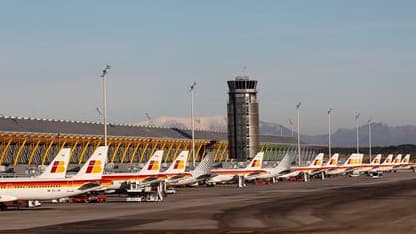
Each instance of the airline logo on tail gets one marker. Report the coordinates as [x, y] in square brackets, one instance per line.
[94, 167]
[333, 162]
[153, 165]
[406, 159]
[58, 167]
[179, 164]
[255, 163]
[317, 162]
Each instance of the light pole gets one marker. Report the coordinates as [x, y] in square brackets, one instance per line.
[281, 130]
[298, 110]
[329, 131]
[192, 88]
[357, 116]
[369, 138]
[103, 76]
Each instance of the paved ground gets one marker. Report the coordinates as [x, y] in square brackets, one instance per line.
[336, 205]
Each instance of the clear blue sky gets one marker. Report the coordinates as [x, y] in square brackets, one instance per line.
[351, 55]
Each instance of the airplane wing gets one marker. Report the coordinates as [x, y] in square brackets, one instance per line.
[7, 198]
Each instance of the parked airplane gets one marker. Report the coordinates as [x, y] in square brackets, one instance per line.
[406, 164]
[226, 175]
[387, 165]
[368, 167]
[353, 162]
[313, 168]
[148, 174]
[57, 168]
[198, 175]
[87, 179]
[273, 173]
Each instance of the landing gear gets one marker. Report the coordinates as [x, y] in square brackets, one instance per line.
[305, 177]
[241, 182]
[3, 206]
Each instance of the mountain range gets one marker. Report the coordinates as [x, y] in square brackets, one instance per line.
[382, 134]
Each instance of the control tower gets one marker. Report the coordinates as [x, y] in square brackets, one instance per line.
[243, 118]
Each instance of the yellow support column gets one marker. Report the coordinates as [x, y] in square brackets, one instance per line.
[167, 154]
[16, 158]
[216, 152]
[132, 156]
[33, 153]
[154, 149]
[176, 152]
[197, 151]
[74, 146]
[62, 146]
[223, 152]
[115, 152]
[81, 156]
[6, 148]
[46, 152]
[126, 149]
[144, 150]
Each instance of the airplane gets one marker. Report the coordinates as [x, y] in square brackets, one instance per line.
[386, 165]
[87, 179]
[196, 176]
[353, 162]
[176, 168]
[227, 175]
[313, 168]
[406, 164]
[368, 167]
[273, 173]
[57, 168]
[147, 175]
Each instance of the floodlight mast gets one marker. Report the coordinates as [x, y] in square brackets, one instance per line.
[104, 80]
[298, 110]
[329, 131]
[191, 90]
[357, 116]
[369, 139]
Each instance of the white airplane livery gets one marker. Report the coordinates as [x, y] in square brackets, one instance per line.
[87, 179]
[57, 168]
[225, 175]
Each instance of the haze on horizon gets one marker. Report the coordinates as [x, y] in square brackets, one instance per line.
[350, 55]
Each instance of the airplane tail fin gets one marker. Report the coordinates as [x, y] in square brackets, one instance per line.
[376, 160]
[94, 167]
[317, 162]
[406, 159]
[57, 168]
[204, 166]
[152, 166]
[333, 161]
[389, 159]
[354, 159]
[179, 164]
[284, 165]
[397, 159]
[257, 162]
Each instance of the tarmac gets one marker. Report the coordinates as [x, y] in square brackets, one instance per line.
[335, 205]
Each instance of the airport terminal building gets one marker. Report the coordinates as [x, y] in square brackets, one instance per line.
[31, 142]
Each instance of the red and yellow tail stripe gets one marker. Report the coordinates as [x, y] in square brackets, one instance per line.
[153, 166]
[94, 167]
[58, 167]
[179, 164]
